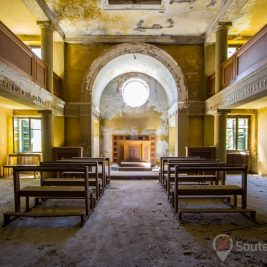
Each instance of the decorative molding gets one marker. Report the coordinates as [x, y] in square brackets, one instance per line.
[142, 48]
[156, 39]
[249, 88]
[19, 88]
[162, 6]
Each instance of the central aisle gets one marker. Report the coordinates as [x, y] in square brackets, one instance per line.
[132, 225]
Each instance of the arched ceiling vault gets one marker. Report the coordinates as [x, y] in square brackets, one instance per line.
[135, 62]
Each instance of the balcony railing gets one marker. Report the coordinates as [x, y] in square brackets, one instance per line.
[14, 53]
[248, 58]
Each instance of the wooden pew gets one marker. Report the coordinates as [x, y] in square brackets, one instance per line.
[21, 159]
[164, 161]
[212, 190]
[50, 192]
[168, 178]
[104, 163]
[71, 178]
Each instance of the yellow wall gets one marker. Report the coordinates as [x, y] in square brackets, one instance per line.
[6, 134]
[172, 137]
[59, 131]
[78, 59]
[195, 131]
[96, 134]
[208, 130]
[262, 141]
[190, 59]
[58, 58]
[72, 131]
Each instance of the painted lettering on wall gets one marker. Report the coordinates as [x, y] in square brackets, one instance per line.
[10, 86]
[242, 94]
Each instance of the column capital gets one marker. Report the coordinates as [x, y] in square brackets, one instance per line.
[222, 112]
[46, 25]
[223, 25]
[45, 112]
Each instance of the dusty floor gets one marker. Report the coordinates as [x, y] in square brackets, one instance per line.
[132, 225]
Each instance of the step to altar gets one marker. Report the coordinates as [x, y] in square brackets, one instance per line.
[132, 166]
[135, 164]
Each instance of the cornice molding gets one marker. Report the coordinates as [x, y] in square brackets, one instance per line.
[249, 88]
[21, 89]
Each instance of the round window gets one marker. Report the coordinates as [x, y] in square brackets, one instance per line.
[135, 92]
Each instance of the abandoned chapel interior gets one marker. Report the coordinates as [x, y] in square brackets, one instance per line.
[133, 133]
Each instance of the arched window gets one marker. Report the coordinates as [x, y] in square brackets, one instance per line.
[135, 92]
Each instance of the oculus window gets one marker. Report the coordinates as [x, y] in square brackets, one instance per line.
[237, 133]
[135, 92]
[27, 135]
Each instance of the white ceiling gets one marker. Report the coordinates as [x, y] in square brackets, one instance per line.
[87, 18]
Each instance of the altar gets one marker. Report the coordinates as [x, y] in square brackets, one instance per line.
[139, 148]
[134, 151]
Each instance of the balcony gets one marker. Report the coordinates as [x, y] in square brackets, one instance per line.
[15, 54]
[247, 59]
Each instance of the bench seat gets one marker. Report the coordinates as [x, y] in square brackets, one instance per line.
[208, 190]
[53, 191]
[69, 181]
[251, 212]
[12, 215]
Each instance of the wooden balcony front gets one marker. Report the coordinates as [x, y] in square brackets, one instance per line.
[17, 55]
[250, 57]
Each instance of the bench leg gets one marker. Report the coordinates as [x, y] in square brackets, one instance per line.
[235, 201]
[27, 204]
[6, 220]
[253, 215]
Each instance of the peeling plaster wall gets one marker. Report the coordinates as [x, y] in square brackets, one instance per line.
[191, 60]
[172, 134]
[78, 59]
[118, 118]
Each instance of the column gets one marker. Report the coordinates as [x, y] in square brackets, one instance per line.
[47, 50]
[182, 134]
[220, 135]
[47, 134]
[220, 52]
[220, 117]
[86, 129]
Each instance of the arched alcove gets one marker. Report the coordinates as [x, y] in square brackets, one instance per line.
[131, 58]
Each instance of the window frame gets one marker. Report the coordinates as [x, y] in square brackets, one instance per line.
[237, 117]
[30, 134]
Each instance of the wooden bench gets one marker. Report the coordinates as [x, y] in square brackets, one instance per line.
[21, 159]
[164, 165]
[74, 178]
[104, 163]
[196, 177]
[101, 163]
[212, 190]
[50, 192]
